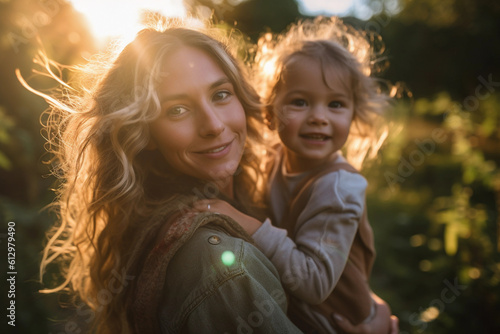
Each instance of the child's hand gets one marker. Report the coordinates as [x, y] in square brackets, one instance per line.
[249, 224]
[394, 325]
[382, 323]
[345, 326]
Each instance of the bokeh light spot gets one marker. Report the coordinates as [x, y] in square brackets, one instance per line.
[417, 240]
[474, 273]
[435, 244]
[425, 265]
[429, 314]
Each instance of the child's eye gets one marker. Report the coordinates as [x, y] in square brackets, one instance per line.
[221, 95]
[176, 111]
[299, 102]
[335, 104]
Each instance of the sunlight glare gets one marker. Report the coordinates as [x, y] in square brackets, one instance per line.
[112, 19]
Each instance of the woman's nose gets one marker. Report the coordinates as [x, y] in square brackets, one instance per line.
[317, 116]
[210, 123]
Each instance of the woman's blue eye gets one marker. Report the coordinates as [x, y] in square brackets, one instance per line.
[221, 95]
[176, 111]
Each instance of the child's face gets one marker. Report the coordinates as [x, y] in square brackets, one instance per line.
[313, 118]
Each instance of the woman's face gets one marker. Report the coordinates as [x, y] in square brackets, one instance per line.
[201, 130]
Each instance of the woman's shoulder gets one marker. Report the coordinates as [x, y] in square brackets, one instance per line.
[209, 262]
[206, 247]
[212, 256]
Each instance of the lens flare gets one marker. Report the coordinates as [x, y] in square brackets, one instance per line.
[228, 258]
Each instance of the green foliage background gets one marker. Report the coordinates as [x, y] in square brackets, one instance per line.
[434, 190]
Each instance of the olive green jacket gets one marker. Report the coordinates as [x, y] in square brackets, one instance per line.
[217, 282]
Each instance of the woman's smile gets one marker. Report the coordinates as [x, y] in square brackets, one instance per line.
[217, 151]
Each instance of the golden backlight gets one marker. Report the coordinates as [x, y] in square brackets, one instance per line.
[110, 19]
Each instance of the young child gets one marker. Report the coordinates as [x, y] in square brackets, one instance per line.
[320, 97]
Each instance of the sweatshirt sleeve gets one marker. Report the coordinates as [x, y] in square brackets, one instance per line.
[311, 265]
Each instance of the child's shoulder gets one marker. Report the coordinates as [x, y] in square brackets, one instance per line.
[340, 180]
[340, 173]
[340, 184]
[338, 191]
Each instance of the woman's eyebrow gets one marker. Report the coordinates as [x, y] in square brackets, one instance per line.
[167, 98]
[220, 82]
[213, 85]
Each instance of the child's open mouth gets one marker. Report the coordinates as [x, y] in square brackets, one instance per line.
[315, 136]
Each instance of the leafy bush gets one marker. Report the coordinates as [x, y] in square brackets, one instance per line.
[433, 201]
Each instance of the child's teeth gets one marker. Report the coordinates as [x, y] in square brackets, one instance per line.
[316, 136]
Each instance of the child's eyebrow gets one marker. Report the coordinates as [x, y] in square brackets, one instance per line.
[297, 91]
[341, 95]
[333, 94]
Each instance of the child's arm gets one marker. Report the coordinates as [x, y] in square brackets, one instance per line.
[310, 265]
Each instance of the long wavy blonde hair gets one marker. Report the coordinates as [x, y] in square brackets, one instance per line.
[335, 45]
[97, 129]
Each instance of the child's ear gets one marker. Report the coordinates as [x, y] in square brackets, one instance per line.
[270, 120]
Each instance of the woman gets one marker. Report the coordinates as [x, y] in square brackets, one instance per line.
[170, 121]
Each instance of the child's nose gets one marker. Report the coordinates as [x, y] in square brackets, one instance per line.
[317, 116]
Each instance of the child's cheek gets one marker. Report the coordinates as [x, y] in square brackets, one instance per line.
[282, 120]
[288, 130]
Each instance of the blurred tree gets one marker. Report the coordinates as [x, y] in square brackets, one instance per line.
[252, 17]
[443, 211]
[437, 45]
[25, 27]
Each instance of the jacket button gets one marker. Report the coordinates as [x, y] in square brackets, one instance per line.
[214, 240]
